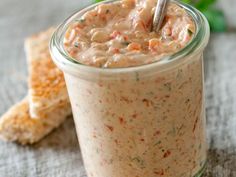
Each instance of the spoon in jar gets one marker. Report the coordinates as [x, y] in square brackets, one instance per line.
[159, 14]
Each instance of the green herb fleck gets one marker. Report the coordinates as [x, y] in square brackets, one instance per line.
[202, 163]
[150, 93]
[172, 131]
[190, 32]
[179, 129]
[138, 161]
[168, 86]
[180, 73]
[76, 44]
[81, 20]
[157, 143]
[137, 76]
[187, 101]
[125, 43]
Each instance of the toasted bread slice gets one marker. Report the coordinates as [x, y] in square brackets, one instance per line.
[47, 88]
[17, 124]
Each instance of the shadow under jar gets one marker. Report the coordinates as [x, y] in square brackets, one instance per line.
[143, 121]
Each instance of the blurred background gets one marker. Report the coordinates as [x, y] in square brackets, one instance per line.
[57, 155]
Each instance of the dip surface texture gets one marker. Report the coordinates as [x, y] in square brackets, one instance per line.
[118, 34]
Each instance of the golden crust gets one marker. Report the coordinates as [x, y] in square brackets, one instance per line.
[46, 82]
[17, 124]
[47, 105]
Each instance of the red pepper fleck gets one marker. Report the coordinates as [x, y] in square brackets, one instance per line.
[79, 26]
[147, 102]
[125, 99]
[141, 139]
[116, 141]
[149, 22]
[161, 172]
[115, 34]
[126, 38]
[121, 119]
[110, 127]
[103, 17]
[195, 152]
[167, 17]
[115, 50]
[134, 115]
[143, 25]
[159, 79]
[94, 134]
[157, 133]
[123, 80]
[182, 153]
[166, 154]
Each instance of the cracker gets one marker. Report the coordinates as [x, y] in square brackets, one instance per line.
[46, 82]
[17, 124]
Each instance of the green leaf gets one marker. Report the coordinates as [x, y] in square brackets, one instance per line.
[96, 1]
[215, 17]
[216, 20]
[187, 1]
[204, 4]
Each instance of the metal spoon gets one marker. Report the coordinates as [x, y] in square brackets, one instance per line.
[159, 14]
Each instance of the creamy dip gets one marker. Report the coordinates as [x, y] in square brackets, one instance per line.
[119, 34]
[141, 125]
[147, 123]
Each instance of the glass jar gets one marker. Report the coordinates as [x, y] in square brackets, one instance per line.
[143, 121]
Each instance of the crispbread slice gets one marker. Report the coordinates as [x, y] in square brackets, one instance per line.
[47, 86]
[17, 124]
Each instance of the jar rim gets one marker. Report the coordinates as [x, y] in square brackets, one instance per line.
[62, 59]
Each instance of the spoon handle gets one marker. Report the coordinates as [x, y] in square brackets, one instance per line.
[159, 14]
